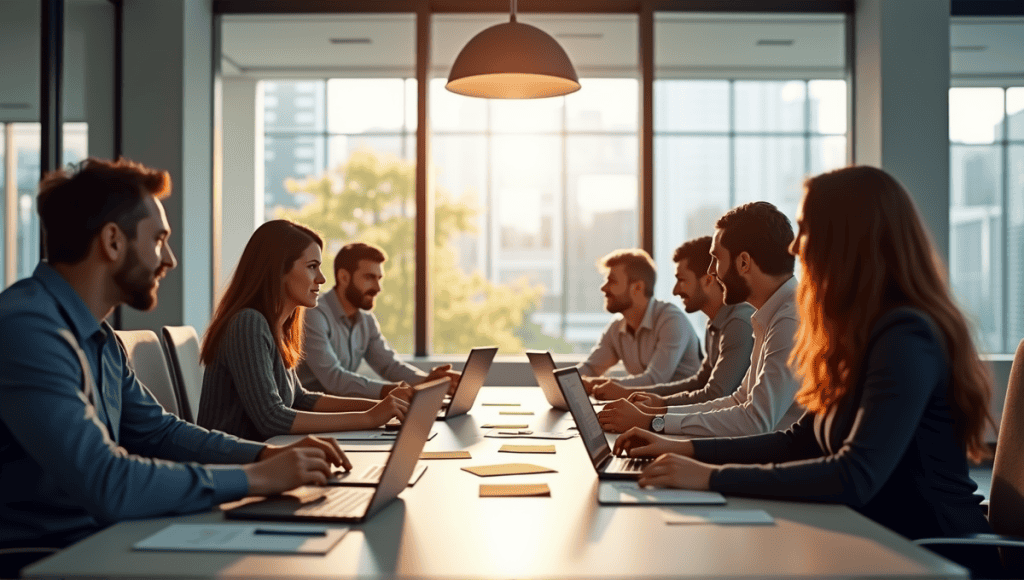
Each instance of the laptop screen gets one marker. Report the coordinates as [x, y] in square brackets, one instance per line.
[583, 413]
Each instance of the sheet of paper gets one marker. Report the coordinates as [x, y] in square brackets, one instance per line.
[527, 448]
[530, 434]
[445, 455]
[515, 412]
[515, 490]
[262, 537]
[500, 404]
[371, 435]
[507, 469]
[629, 492]
[505, 426]
[717, 516]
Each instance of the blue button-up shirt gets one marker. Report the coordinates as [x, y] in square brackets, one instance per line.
[82, 443]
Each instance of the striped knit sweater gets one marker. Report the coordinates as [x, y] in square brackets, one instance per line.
[247, 391]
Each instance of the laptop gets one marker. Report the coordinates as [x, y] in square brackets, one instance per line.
[544, 371]
[607, 465]
[357, 504]
[473, 376]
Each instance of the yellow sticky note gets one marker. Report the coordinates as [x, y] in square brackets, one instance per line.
[527, 448]
[445, 455]
[507, 469]
[515, 490]
[515, 412]
[496, 426]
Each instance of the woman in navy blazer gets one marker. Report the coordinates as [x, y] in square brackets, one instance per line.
[896, 396]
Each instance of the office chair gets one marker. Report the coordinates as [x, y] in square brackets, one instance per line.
[146, 355]
[1006, 500]
[182, 347]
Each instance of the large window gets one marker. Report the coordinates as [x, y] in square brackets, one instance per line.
[986, 229]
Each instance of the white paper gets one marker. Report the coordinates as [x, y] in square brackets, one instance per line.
[717, 516]
[529, 434]
[242, 538]
[630, 492]
[378, 435]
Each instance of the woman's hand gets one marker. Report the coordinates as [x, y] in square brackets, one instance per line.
[671, 470]
[389, 407]
[640, 443]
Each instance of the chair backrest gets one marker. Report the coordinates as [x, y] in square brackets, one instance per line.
[182, 346]
[1006, 500]
[146, 355]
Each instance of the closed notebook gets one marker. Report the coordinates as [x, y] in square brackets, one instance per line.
[630, 493]
[223, 537]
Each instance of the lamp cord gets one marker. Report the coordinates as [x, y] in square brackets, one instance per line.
[513, 2]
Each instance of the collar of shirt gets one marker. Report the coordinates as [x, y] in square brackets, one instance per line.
[723, 314]
[786, 294]
[83, 324]
[647, 321]
[334, 305]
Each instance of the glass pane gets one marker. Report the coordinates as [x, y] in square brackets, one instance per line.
[26, 137]
[975, 115]
[1015, 112]
[691, 191]
[1015, 246]
[770, 169]
[602, 216]
[528, 115]
[691, 105]
[286, 159]
[3, 207]
[605, 105]
[827, 153]
[770, 105]
[453, 112]
[341, 147]
[293, 106]
[828, 106]
[76, 142]
[366, 105]
[975, 235]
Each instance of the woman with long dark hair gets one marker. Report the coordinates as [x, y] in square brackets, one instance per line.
[254, 342]
[896, 396]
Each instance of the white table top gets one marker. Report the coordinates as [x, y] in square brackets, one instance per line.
[440, 528]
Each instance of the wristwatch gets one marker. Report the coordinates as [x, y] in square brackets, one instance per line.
[658, 423]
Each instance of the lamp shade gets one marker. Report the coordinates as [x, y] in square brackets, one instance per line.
[513, 61]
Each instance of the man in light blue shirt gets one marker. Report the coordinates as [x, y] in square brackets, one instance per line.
[83, 444]
[342, 331]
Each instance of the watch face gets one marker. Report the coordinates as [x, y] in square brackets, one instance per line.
[658, 424]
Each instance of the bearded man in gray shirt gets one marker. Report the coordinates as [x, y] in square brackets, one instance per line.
[342, 331]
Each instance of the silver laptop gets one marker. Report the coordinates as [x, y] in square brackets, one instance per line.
[473, 376]
[356, 504]
[607, 465]
[544, 371]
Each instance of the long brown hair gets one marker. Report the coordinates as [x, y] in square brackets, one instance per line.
[866, 251]
[256, 283]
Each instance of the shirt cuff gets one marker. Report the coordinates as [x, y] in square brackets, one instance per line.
[229, 483]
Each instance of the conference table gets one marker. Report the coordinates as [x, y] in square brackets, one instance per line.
[441, 528]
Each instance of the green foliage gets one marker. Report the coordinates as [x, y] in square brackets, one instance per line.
[371, 198]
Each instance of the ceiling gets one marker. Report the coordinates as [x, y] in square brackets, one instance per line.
[691, 44]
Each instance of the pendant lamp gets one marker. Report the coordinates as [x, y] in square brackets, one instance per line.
[513, 61]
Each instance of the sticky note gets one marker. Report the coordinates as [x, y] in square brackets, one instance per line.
[515, 490]
[507, 469]
[445, 455]
[527, 448]
[515, 412]
[510, 426]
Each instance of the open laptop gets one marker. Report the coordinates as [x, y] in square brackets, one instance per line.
[473, 376]
[356, 504]
[606, 465]
[544, 371]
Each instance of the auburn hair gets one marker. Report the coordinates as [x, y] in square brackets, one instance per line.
[864, 251]
[257, 283]
[639, 266]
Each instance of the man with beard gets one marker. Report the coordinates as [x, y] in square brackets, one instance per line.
[728, 337]
[652, 338]
[82, 443]
[750, 259]
[342, 331]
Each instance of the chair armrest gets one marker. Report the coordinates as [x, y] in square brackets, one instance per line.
[996, 540]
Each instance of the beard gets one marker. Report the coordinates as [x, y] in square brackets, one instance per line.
[618, 304]
[696, 301]
[734, 287]
[137, 284]
[362, 300]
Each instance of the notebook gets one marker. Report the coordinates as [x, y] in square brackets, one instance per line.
[544, 371]
[356, 504]
[607, 465]
[473, 376]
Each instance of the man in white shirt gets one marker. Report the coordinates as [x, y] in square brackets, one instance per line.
[653, 339]
[751, 260]
[342, 331]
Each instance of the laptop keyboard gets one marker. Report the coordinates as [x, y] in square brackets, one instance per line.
[339, 502]
[628, 464]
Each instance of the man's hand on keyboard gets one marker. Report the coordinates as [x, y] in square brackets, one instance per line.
[304, 462]
[641, 443]
[620, 415]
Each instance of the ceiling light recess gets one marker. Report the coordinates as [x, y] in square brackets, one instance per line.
[513, 61]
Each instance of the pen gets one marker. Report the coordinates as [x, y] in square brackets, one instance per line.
[526, 432]
[283, 532]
